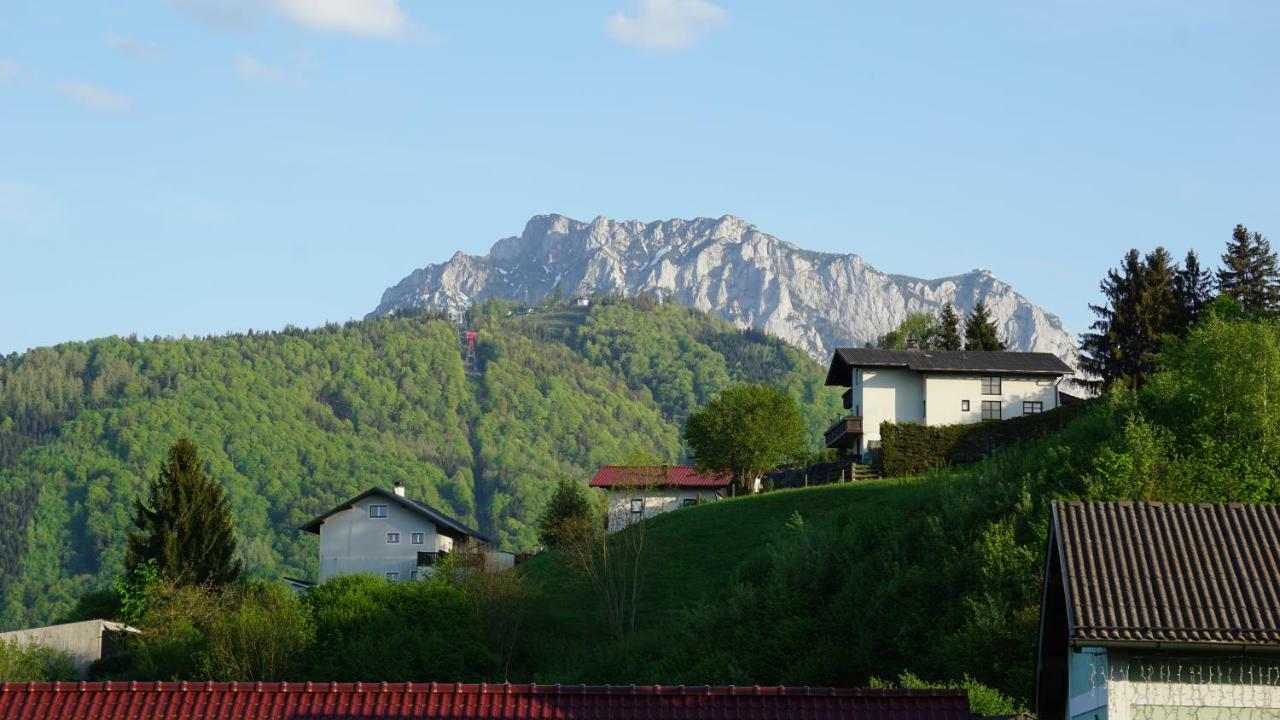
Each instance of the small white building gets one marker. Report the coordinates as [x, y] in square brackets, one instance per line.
[385, 533]
[639, 492]
[937, 388]
[84, 642]
[1160, 611]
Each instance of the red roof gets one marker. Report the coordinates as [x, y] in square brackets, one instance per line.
[321, 701]
[682, 476]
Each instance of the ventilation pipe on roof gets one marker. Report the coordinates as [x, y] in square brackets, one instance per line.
[399, 488]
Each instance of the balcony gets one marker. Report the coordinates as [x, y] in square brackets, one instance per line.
[845, 432]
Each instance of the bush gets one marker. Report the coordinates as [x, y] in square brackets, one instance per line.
[912, 448]
[262, 636]
[34, 663]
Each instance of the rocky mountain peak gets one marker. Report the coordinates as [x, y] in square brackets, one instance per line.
[816, 301]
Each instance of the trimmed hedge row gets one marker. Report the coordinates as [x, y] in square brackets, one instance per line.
[911, 448]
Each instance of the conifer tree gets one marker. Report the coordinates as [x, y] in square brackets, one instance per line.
[949, 329]
[186, 526]
[1192, 287]
[1249, 273]
[1141, 309]
[980, 331]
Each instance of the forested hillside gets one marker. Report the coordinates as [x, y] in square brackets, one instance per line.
[294, 421]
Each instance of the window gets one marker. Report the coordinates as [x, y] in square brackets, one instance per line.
[637, 505]
[1031, 408]
[393, 576]
[990, 409]
[377, 511]
[991, 385]
[413, 574]
[688, 502]
[964, 406]
[393, 537]
[418, 538]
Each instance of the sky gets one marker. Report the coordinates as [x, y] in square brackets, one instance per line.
[206, 166]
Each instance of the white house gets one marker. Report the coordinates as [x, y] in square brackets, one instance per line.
[385, 533]
[639, 492]
[1155, 611]
[936, 388]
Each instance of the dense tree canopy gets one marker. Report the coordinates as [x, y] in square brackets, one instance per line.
[980, 332]
[292, 422]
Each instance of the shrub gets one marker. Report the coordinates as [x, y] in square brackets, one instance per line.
[912, 448]
[34, 663]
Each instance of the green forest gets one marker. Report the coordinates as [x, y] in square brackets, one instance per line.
[293, 422]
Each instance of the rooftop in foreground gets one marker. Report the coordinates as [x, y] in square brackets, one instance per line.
[319, 701]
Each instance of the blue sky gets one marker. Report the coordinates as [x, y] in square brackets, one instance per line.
[203, 166]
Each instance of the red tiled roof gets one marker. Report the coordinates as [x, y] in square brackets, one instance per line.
[323, 701]
[682, 476]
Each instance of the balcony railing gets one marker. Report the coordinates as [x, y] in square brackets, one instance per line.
[844, 433]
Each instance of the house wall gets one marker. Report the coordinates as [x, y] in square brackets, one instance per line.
[1181, 687]
[945, 393]
[656, 502]
[886, 395]
[352, 542]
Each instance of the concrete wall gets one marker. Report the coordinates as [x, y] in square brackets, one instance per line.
[85, 641]
[945, 395]
[352, 542]
[656, 502]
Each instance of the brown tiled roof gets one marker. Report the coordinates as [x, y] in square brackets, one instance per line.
[432, 701]
[1183, 573]
[972, 361]
[677, 476]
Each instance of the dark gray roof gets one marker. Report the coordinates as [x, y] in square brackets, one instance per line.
[1031, 363]
[446, 524]
[1156, 572]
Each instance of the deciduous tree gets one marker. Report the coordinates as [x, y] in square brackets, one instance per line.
[746, 430]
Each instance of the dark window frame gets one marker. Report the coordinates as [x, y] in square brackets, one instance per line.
[992, 385]
[688, 502]
[373, 512]
[988, 406]
[964, 406]
[1032, 407]
[392, 576]
[393, 538]
[637, 510]
[418, 538]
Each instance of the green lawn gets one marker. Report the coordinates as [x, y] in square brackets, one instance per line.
[692, 557]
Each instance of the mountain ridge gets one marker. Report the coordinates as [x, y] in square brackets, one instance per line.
[726, 266]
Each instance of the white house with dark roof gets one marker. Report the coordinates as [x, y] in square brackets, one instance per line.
[639, 492]
[937, 388]
[385, 533]
[1160, 611]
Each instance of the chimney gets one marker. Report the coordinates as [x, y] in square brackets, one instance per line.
[399, 488]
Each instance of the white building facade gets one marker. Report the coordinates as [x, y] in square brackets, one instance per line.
[638, 493]
[937, 388]
[384, 533]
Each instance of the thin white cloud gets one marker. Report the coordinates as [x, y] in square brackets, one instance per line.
[8, 70]
[665, 24]
[250, 68]
[221, 14]
[95, 97]
[134, 49]
[369, 18]
[374, 18]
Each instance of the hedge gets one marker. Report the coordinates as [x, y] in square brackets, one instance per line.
[911, 448]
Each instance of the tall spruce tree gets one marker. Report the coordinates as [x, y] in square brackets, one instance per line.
[1192, 287]
[1249, 273]
[980, 330]
[948, 329]
[1142, 308]
[186, 526]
